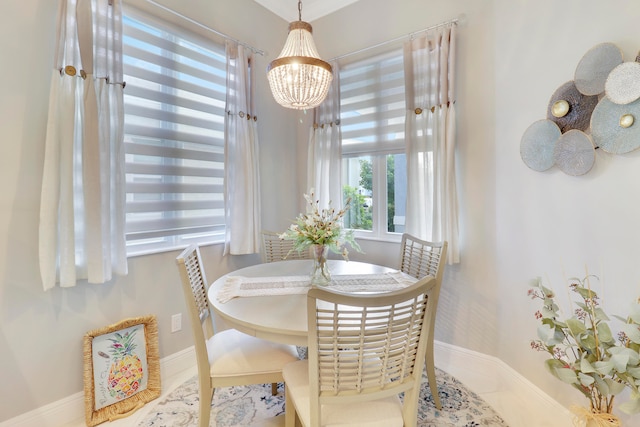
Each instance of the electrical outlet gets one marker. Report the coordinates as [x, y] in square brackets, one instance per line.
[176, 322]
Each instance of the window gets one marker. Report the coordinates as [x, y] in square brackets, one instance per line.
[174, 103]
[373, 160]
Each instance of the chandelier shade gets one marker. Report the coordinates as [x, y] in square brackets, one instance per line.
[298, 78]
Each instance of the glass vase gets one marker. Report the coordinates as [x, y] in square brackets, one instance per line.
[320, 275]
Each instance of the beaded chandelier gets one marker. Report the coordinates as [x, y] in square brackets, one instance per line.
[298, 78]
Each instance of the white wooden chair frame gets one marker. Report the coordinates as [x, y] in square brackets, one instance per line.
[226, 358]
[363, 348]
[420, 258]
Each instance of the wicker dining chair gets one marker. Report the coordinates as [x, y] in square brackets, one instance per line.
[229, 357]
[364, 350]
[276, 249]
[420, 258]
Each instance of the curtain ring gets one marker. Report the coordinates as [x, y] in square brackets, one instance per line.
[315, 126]
[255, 118]
[433, 109]
[241, 114]
[418, 111]
[249, 117]
[70, 70]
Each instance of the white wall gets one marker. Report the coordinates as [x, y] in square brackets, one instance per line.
[515, 223]
[551, 224]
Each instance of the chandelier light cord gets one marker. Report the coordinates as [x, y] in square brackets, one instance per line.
[299, 10]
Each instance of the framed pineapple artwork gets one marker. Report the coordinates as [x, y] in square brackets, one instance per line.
[121, 369]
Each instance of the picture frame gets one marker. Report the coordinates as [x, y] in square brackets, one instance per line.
[121, 369]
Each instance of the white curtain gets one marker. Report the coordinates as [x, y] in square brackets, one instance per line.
[82, 214]
[432, 206]
[324, 162]
[242, 191]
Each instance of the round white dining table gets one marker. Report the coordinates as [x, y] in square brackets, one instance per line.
[278, 318]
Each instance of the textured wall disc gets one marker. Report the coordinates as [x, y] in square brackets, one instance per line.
[537, 144]
[623, 83]
[616, 127]
[594, 67]
[580, 108]
[574, 153]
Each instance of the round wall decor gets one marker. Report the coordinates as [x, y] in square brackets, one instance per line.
[570, 109]
[574, 153]
[537, 144]
[623, 84]
[600, 108]
[615, 127]
[594, 67]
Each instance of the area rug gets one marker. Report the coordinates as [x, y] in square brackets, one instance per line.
[245, 406]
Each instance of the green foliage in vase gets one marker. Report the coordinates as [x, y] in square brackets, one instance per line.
[584, 351]
[321, 227]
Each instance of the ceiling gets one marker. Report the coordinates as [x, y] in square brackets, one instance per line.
[311, 9]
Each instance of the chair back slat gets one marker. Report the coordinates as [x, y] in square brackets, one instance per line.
[421, 258]
[197, 281]
[276, 249]
[194, 286]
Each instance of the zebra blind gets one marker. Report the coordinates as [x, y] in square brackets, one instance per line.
[372, 105]
[174, 103]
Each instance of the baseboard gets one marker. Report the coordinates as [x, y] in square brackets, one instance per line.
[448, 357]
[71, 409]
[496, 376]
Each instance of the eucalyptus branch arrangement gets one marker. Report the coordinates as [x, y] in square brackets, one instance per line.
[584, 351]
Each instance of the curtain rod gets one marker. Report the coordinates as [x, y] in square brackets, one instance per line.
[433, 27]
[192, 21]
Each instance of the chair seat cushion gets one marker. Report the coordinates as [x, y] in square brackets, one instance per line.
[232, 352]
[378, 413]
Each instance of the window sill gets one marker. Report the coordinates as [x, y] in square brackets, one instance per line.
[156, 251]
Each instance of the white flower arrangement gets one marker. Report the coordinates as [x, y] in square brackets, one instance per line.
[321, 227]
